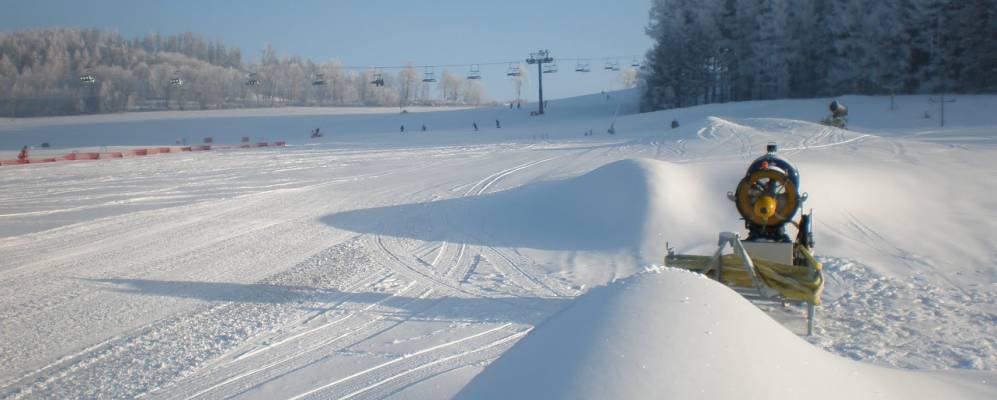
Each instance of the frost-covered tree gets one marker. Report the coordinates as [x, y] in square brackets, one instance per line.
[449, 86]
[721, 50]
[769, 50]
[40, 72]
[408, 85]
[520, 81]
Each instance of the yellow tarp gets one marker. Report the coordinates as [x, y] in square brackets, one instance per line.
[791, 281]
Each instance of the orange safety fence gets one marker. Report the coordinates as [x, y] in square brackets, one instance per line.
[77, 155]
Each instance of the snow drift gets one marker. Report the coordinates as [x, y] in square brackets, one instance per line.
[624, 205]
[679, 335]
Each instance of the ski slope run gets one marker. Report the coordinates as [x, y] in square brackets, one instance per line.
[375, 264]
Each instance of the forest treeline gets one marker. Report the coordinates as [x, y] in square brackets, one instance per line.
[731, 50]
[44, 72]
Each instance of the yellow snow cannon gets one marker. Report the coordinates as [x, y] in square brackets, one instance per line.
[766, 265]
[768, 196]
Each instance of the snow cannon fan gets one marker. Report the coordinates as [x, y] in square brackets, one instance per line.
[768, 197]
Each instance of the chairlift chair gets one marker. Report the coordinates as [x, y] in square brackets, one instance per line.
[429, 76]
[378, 78]
[635, 63]
[475, 72]
[176, 80]
[616, 66]
[319, 79]
[87, 76]
[582, 67]
[253, 80]
[514, 70]
[609, 65]
[550, 68]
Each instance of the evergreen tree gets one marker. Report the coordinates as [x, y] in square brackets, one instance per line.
[719, 50]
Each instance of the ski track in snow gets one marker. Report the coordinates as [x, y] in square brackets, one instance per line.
[213, 275]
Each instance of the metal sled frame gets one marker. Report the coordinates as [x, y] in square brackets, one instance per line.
[772, 281]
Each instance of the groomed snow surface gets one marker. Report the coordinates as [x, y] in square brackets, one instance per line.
[512, 262]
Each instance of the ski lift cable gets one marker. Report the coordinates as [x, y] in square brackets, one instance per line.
[517, 61]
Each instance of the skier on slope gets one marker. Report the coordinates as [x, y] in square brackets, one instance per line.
[23, 154]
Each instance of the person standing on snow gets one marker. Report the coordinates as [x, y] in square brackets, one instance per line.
[497, 124]
[475, 124]
[23, 154]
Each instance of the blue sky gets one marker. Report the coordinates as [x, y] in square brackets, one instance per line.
[381, 32]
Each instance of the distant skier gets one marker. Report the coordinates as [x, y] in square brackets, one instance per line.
[423, 127]
[403, 128]
[497, 124]
[475, 124]
[612, 129]
[23, 154]
[675, 123]
[519, 105]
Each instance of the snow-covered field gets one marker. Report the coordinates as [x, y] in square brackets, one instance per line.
[380, 264]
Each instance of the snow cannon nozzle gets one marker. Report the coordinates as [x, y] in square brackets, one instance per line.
[771, 148]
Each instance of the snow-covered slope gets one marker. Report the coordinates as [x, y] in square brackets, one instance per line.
[618, 206]
[678, 335]
[379, 264]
